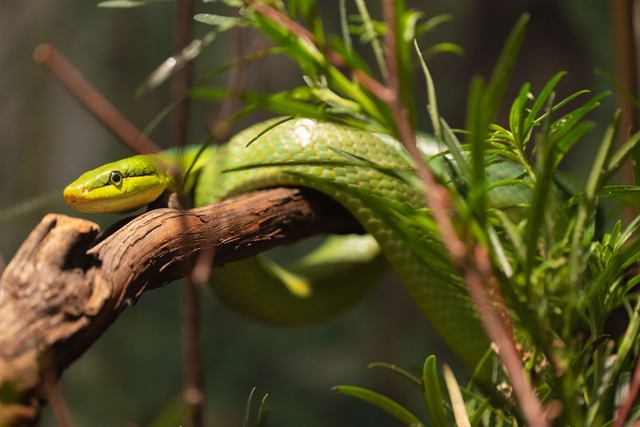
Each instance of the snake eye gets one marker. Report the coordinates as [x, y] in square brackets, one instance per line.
[115, 178]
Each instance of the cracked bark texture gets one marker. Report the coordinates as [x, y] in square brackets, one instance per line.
[68, 282]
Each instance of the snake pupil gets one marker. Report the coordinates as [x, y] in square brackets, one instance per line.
[115, 178]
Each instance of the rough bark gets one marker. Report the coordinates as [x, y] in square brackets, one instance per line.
[67, 283]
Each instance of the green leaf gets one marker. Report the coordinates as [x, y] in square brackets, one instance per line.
[443, 47]
[295, 102]
[620, 87]
[515, 239]
[397, 370]
[453, 145]
[247, 409]
[411, 21]
[344, 27]
[432, 107]
[502, 72]
[478, 414]
[541, 99]
[386, 404]
[404, 60]
[570, 138]
[372, 37]
[566, 123]
[263, 412]
[432, 393]
[477, 125]
[616, 161]
[457, 402]
[517, 117]
[586, 207]
[560, 105]
[624, 257]
[432, 23]
[223, 23]
[267, 129]
[612, 191]
[542, 204]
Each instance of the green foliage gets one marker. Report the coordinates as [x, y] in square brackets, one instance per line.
[559, 277]
[386, 404]
[263, 412]
[330, 95]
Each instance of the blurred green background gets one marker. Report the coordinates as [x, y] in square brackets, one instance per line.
[48, 139]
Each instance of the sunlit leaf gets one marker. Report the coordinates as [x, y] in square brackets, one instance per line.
[457, 402]
[223, 23]
[173, 64]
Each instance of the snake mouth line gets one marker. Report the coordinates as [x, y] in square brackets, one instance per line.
[86, 201]
[73, 196]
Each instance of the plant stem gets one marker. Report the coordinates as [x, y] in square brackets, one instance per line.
[193, 394]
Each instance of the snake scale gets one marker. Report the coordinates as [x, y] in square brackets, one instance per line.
[318, 155]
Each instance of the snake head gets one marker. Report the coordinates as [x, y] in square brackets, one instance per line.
[121, 186]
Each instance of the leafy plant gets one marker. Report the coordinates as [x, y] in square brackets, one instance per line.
[553, 273]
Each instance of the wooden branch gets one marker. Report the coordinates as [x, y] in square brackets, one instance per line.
[62, 290]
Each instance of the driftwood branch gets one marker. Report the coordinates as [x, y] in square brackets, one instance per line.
[62, 290]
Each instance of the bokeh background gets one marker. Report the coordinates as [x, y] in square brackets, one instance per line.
[47, 139]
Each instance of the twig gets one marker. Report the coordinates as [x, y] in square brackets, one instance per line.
[55, 396]
[93, 101]
[181, 82]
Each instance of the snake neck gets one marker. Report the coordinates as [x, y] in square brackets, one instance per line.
[190, 160]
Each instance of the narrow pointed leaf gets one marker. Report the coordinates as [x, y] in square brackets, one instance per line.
[502, 72]
[263, 412]
[585, 208]
[616, 161]
[541, 99]
[457, 402]
[478, 414]
[388, 405]
[396, 370]
[432, 393]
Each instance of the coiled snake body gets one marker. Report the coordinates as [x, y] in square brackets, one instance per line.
[352, 167]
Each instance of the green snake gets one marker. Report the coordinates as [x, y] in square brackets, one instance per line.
[350, 166]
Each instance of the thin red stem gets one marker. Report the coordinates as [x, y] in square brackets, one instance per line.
[93, 100]
[472, 261]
